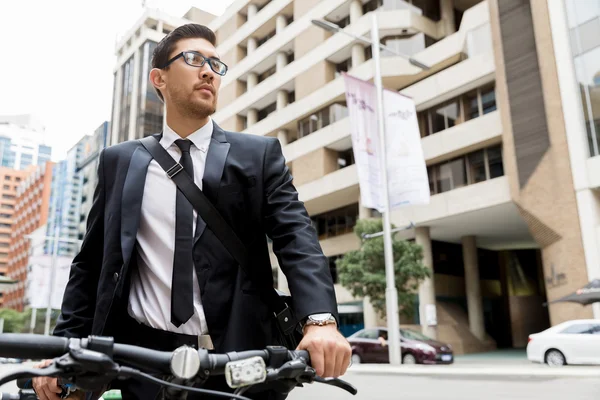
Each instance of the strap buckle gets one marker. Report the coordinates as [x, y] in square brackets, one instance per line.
[174, 170]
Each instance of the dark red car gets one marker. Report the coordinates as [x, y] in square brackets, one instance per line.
[370, 346]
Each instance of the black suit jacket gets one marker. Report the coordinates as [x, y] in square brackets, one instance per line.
[247, 180]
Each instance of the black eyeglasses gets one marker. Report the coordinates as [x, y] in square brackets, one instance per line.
[196, 59]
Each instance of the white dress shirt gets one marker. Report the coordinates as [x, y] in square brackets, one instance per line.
[150, 294]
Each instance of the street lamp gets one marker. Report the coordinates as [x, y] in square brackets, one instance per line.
[391, 293]
[331, 27]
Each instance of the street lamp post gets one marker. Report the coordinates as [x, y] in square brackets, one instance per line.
[391, 293]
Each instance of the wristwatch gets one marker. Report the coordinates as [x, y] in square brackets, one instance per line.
[320, 320]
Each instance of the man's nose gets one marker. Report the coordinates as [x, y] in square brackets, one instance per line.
[206, 72]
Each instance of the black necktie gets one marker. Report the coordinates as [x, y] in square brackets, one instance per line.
[182, 291]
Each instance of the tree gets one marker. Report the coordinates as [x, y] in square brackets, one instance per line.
[19, 322]
[362, 271]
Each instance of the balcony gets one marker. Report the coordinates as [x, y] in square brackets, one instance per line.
[333, 190]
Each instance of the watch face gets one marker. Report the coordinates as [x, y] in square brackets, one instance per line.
[320, 317]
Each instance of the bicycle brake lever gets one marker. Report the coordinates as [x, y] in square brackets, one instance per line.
[337, 383]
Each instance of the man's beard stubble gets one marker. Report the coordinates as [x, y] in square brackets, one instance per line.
[190, 108]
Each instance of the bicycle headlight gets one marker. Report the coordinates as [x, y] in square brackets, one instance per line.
[245, 372]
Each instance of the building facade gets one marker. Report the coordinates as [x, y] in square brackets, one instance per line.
[514, 215]
[88, 168]
[65, 201]
[22, 142]
[31, 213]
[11, 179]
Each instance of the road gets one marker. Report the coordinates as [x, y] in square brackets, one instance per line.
[388, 387]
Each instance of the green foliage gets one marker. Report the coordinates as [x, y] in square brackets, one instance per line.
[20, 322]
[362, 271]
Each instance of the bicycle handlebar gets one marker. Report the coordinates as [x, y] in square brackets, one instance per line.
[95, 360]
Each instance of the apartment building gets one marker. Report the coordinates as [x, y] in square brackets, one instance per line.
[32, 205]
[514, 215]
[11, 179]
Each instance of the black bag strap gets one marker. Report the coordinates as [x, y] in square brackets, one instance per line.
[219, 227]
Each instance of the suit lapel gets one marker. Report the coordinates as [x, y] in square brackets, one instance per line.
[131, 202]
[213, 171]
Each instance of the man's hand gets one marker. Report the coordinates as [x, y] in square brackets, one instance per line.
[329, 351]
[46, 387]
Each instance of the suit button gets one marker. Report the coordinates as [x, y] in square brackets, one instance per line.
[116, 277]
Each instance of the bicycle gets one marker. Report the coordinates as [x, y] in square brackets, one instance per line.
[91, 364]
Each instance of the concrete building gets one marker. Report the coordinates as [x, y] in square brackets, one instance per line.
[22, 142]
[514, 215]
[31, 213]
[88, 168]
[11, 180]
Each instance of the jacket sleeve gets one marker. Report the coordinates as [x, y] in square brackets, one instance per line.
[295, 241]
[79, 301]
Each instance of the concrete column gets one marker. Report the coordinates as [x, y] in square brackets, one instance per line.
[363, 212]
[282, 60]
[252, 11]
[427, 288]
[114, 125]
[369, 313]
[358, 55]
[251, 45]
[252, 80]
[447, 20]
[280, 23]
[473, 288]
[282, 135]
[160, 26]
[252, 116]
[356, 10]
[133, 111]
[282, 99]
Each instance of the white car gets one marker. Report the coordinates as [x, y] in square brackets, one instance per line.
[572, 342]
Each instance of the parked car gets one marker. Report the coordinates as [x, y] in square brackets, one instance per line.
[370, 346]
[572, 342]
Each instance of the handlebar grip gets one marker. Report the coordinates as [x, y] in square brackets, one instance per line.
[32, 346]
[23, 383]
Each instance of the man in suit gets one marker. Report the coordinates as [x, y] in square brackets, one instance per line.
[151, 273]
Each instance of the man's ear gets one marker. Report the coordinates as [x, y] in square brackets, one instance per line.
[157, 79]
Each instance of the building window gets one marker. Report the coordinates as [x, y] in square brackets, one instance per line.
[8, 196]
[471, 168]
[6, 187]
[344, 66]
[265, 39]
[321, 119]
[469, 106]
[264, 113]
[267, 73]
[333, 267]
[336, 222]
[345, 158]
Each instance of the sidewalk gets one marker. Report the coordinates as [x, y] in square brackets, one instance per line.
[502, 364]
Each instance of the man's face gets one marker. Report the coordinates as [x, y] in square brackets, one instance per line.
[192, 90]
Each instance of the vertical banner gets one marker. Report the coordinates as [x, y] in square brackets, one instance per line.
[408, 183]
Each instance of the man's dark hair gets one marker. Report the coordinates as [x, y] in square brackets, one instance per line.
[164, 49]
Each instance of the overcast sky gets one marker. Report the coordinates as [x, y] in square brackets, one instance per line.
[57, 59]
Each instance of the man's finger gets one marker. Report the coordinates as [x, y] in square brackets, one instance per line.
[53, 385]
[341, 362]
[330, 358]
[317, 359]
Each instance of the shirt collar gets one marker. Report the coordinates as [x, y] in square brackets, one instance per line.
[200, 138]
